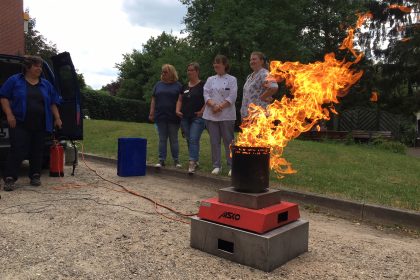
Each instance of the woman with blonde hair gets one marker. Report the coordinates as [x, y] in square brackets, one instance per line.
[162, 112]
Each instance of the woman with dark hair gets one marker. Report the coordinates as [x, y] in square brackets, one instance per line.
[189, 108]
[220, 93]
[257, 89]
[30, 105]
[162, 112]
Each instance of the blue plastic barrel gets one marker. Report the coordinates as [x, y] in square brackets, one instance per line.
[131, 157]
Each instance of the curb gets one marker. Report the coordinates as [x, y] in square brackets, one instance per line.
[340, 207]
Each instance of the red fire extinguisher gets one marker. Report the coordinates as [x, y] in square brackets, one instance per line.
[56, 160]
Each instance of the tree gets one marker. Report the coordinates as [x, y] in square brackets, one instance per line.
[290, 30]
[112, 88]
[36, 43]
[140, 70]
[81, 80]
[396, 65]
[325, 25]
[236, 28]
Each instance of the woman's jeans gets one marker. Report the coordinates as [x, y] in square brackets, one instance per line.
[168, 130]
[192, 129]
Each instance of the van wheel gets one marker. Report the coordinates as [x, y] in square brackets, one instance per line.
[2, 167]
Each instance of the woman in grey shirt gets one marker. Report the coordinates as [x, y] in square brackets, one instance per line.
[220, 93]
[257, 89]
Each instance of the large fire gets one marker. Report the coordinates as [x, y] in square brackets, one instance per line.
[314, 87]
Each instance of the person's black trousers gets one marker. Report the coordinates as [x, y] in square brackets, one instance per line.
[25, 143]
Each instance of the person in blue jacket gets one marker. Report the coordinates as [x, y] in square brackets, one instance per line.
[30, 105]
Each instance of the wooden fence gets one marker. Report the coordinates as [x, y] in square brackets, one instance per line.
[369, 120]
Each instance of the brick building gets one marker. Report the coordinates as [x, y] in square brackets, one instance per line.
[12, 40]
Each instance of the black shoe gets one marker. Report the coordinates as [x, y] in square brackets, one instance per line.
[160, 164]
[35, 180]
[9, 184]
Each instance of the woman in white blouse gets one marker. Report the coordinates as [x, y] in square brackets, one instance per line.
[257, 89]
[220, 93]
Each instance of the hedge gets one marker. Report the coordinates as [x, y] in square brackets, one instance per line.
[98, 105]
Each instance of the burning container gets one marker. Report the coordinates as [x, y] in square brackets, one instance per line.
[248, 223]
[250, 169]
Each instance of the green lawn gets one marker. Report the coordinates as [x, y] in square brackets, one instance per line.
[356, 172]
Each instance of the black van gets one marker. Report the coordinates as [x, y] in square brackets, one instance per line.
[63, 76]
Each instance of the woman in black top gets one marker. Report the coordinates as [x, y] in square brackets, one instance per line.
[189, 108]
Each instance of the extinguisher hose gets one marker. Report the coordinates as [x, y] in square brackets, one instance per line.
[75, 156]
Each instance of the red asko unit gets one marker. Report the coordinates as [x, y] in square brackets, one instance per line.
[259, 221]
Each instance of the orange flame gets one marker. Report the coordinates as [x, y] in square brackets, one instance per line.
[403, 9]
[405, 39]
[406, 10]
[348, 41]
[315, 88]
[374, 96]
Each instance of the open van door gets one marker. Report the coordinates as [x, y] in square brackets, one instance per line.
[68, 87]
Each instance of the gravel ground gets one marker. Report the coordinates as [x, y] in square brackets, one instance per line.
[85, 228]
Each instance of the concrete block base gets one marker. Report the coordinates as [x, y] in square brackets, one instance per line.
[261, 251]
[249, 200]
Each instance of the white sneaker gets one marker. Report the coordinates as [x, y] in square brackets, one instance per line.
[177, 164]
[230, 173]
[192, 167]
[160, 164]
[217, 171]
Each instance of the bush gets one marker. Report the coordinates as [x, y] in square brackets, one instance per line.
[100, 105]
[349, 140]
[393, 146]
[408, 134]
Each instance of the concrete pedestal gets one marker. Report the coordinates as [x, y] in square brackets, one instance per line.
[262, 251]
[249, 200]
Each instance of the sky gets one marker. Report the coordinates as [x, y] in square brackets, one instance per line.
[97, 33]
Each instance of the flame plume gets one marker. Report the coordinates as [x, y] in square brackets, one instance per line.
[374, 96]
[403, 9]
[314, 88]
